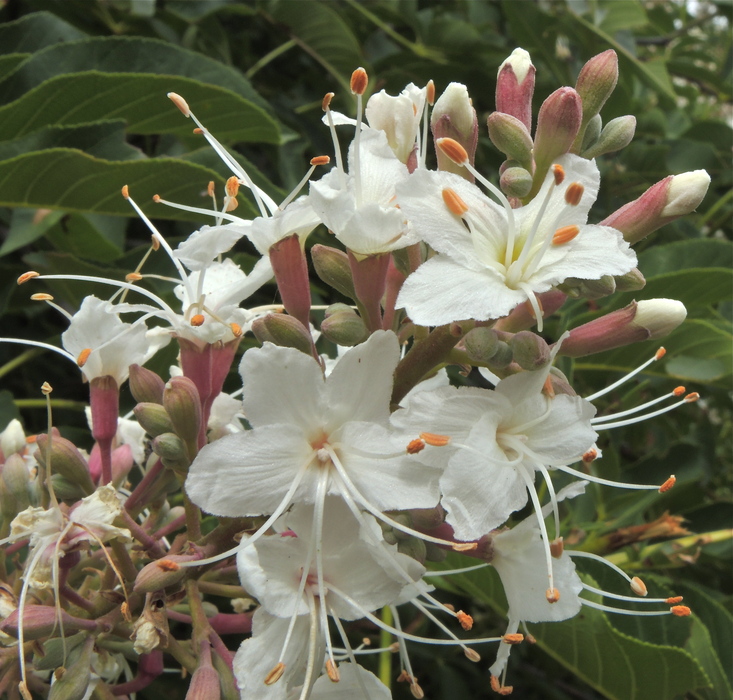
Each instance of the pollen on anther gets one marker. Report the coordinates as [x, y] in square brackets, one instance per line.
[416, 691]
[638, 586]
[326, 103]
[680, 610]
[320, 160]
[197, 320]
[565, 234]
[28, 276]
[659, 354]
[557, 547]
[453, 201]
[464, 546]
[495, 685]
[678, 391]
[359, 81]
[157, 198]
[197, 131]
[232, 186]
[674, 600]
[210, 188]
[516, 638]
[590, 456]
[574, 193]
[453, 150]
[435, 440]
[236, 329]
[179, 102]
[46, 388]
[694, 396]
[430, 90]
[558, 172]
[154, 243]
[83, 356]
[552, 595]
[133, 277]
[465, 620]
[41, 296]
[167, 565]
[332, 671]
[667, 485]
[125, 191]
[275, 674]
[415, 446]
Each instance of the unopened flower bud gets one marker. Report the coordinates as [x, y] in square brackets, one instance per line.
[413, 547]
[588, 289]
[72, 682]
[665, 201]
[16, 480]
[592, 132]
[41, 621]
[454, 117]
[481, 344]
[153, 418]
[332, 266]
[515, 87]
[183, 405]
[516, 182]
[12, 439]
[632, 281]
[66, 490]
[161, 574]
[146, 386]
[343, 326]
[617, 134]
[557, 126]
[523, 316]
[227, 682]
[529, 350]
[638, 321]
[596, 81]
[172, 452]
[204, 684]
[427, 518]
[502, 357]
[66, 460]
[511, 137]
[283, 330]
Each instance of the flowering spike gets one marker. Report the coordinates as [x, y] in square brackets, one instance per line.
[574, 193]
[552, 595]
[680, 610]
[320, 160]
[28, 276]
[638, 586]
[179, 102]
[565, 234]
[514, 638]
[667, 485]
[197, 320]
[415, 446]
[435, 440]
[275, 674]
[359, 81]
[83, 356]
[465, 619]
[454, 202]
[453, 150]
[674, 600]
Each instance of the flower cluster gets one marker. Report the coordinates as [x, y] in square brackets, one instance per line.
[335, 482]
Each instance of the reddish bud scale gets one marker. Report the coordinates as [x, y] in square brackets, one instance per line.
[359, 81]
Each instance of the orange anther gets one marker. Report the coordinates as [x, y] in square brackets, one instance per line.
[320, 160]
[516, 638]
[359, 81]
[667, 485]
[236, 329]
[547, 387]
[557, 547]
[210, 189]
[232, 186]
[449, 606]
[41, 296]
[471, 655]
[465, 619]
[414, 110]
[332, 671]
[495, 685]
[197, 320]
[638, 586]
[574, 193]
[558, 173]
[81, 360]
[125, 191]
[434, 439]
[430, 92]
[232, 204]
[197, 131]
[154, 243]
[679, 391]
[464, 546]
[506, 690]
[590, 455]
[694, 396]
[453, 150]
[552, 595]
[326, 103]
[275, 674]
[157, 198]
[565, 234]
[28, 276]
[674, 600]
[46, 388]
[31, 439]
[680, 610]
[416, 691]
[454, 202]
[415, 446]
[179, 102]
[133, 277]
[659, 354]
[167, 565]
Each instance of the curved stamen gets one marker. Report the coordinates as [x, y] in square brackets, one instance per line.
[658, 355]
[618, 596]
[608, 482]
[199, 210]
[653, 414]
[614, 416]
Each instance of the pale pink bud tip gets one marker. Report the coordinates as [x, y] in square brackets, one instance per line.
[519, 62]
[659, 316]
[179, 102]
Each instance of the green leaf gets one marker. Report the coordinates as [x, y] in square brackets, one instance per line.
[34, 32]
[63, 178]
[10, 62]
[27, 226]
[76, 234]
[8, 410]
[701, 648]
[682, 255]
[617, 16]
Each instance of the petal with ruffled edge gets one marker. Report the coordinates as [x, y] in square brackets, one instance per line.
[350, 686]
[203, 246]
[297, 217]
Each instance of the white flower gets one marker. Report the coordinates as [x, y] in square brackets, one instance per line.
[297, 217]
[492, 258]
[205, 245]
[398, 117]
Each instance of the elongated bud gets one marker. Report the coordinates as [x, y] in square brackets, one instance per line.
[589, 289]
[153, 418]
[557, 126]
[283, 330]
[596, 81]
[332, 266]
[412, 547]
[161, 574]
[65, 460]
[66, 490]
[41, 621]
[183, 405]
[172, 452]
[72, 682]
[592, 132]
[511, 137]
[617, 134]
[146, 386]
[343, 326]
[644, 320]
[667, 200]
[290, 267]
[516, 182]
[16, 482]
[515, 87]
[454, 117]
[529, 350]
[632, 281]
[104, 400]
[12, 439]
[227, 682]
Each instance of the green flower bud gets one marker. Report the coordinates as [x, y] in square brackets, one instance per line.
[65, 460]
[592, 132]
[481, 344]
[529, 350]
[588, 289]
[516, 182]
[161, 574]
[183, 406]
[632, 281]
[284, 330]
[66, 490]
[413, 547]
[15, 480]
[617, 134]
[172, 452]
[344, 326]
[596, 81]
[332, 266]
[511, 137]
[154, 418]
[502, 357]
[72, 682]
[146, 386]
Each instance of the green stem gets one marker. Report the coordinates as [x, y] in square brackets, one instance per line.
[385, 657]
[55, 403]
[279, 50]
[19, 360]
[179, 652]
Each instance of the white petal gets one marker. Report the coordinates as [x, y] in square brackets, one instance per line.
[298, 217]
[202, 246]
[349, 687]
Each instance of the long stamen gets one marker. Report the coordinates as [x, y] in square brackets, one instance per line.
[553, 497]
[315, 162]
[679, 391]
[450, 572]
[677, 610]
[618, 596]
[658, 355]
[359, 82]
[197, 210]
[415, 689]
[334, 137]
[534, 303]
[349, 652]
[312, 642]
[608, 482]
[690, 398]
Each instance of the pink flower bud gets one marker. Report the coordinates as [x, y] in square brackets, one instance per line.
[104, 401]
[515, 87]
[146, 386]
[454, 117]
[287, 258]
[65, 460]
[40, 621]
[596, 81]
[644, 320]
